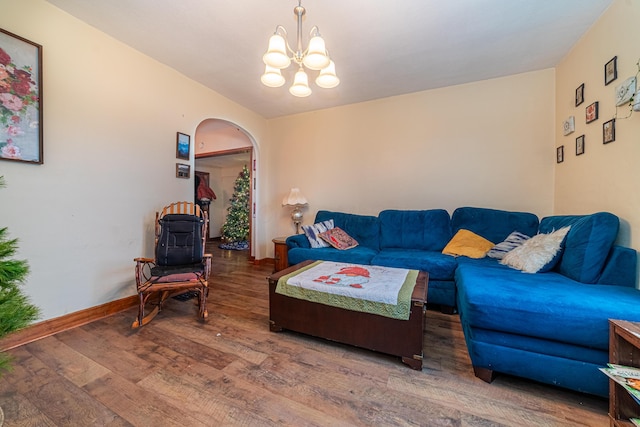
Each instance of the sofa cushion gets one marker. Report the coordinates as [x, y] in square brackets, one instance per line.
[587, 245]
[427, 230]
[357, 255]
[313, 233]
[439, 266]
[339, 239]
[547, 306]
[363, 228]
[467, 243]
[512, 241]
[538, 254]
[493, 224]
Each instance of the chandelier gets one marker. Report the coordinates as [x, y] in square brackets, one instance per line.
[315, 57]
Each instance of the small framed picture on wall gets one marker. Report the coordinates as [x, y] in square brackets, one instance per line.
[591, 112]
[609, 131]
[183, 171]
[580, 145]
[183, 146]
[580, 94]
[611, 70]
[560, 154]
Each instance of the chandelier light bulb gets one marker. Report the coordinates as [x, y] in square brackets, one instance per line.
[300, 87]
[327, 78]
[316, 57]
[272, 77]
[276, 55]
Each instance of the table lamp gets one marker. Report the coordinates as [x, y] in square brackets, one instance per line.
[297, 200]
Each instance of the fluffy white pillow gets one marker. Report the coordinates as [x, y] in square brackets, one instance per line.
[313, 233]
[512, 241]
[536, 253]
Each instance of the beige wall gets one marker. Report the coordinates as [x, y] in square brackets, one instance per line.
[110, 120]
[606, 177]
[488, 144]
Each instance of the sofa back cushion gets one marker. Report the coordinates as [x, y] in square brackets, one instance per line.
[493, 224]
[427, 230]
[587, 245]
[364, 229]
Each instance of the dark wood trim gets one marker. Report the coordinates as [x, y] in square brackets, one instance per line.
[224, 152]
[68, 321]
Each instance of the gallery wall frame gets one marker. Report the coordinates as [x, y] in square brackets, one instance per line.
[591, 112]
[580, 94]
[611, 70]
[580, 145]
[560, 154]
[21, 134]
[609, 131]
[183, 146]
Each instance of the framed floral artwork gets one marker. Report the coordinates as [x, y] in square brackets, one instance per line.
[591, 112]
[20, 99]
[183, 146]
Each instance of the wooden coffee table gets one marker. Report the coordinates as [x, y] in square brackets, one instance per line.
[396, 337]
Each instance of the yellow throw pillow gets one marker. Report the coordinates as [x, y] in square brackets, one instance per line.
[469, 244]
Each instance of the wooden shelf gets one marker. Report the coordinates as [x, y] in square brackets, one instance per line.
[624, 349]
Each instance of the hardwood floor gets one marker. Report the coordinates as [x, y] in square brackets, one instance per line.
[232, 370]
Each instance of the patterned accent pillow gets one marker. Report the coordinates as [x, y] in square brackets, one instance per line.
[313, 233]
[339, 239]
[539, 254]
[512, 241]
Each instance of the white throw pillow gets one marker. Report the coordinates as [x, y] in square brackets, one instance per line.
[512, 241]
[313, 233]
[536, 253]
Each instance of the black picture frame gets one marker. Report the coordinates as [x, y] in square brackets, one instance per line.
[609, 131]
[580, 94]
[591, 112]
[21, 136]
[183, 146]
[580, 145]
[560, 154]
[611, 70]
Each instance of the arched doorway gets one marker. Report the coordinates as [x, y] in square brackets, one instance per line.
[222, 149]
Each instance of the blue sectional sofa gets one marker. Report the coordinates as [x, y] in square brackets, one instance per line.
[551, 327]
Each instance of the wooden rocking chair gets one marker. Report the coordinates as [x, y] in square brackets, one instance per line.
[180, 264]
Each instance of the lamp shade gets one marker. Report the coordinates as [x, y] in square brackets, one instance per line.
[272, 77]
[294, 198]
[327, 77]
[276, 55]
[316, 57]
[300, 87]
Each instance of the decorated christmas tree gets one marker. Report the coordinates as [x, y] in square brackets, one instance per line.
[236, 226]
[16, 311]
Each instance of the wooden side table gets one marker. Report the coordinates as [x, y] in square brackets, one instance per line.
[624, 349]
[281, 261]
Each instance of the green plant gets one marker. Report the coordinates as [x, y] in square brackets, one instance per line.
[16, 311]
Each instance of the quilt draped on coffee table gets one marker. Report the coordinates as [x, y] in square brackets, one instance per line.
[384, 291]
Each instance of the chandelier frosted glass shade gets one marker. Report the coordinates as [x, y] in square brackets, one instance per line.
[276, 55]
[300, 87]
[327, 78]
[279, 56]
[272, 77]
[316, 57]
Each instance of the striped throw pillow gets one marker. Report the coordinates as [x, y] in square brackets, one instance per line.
[512, 241]
[313, 233]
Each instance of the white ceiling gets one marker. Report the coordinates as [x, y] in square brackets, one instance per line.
[381, 47]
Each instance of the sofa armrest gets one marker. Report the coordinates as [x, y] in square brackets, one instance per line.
[298, 241]
[620, 267]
